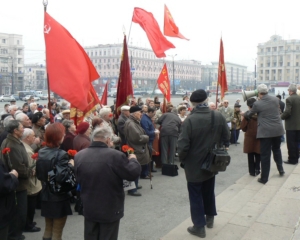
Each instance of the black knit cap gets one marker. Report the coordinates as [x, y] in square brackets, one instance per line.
[198, 96]
[135, 109]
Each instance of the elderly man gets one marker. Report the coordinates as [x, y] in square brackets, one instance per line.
[192, 149]
[212, 106]
[38, 126]
[227, 113]
[106, 115]
[121, 122]
[144, 109]
[269, 131]
[291, 115]
[17, 159]
[101, 221]
[12, 110]
[33, 109]
[5, 111]
[35, 185]
[23, 119]
[138, 140]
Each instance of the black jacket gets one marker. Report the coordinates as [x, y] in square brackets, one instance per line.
[100, 172]
[8, 185]
[44, 165]
[170, 124]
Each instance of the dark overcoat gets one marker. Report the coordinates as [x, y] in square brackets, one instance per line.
[291, 114]
[251, 143]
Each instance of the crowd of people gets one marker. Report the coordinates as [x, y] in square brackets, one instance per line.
[35, 141]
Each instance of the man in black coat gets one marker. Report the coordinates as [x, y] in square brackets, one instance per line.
[100, 171]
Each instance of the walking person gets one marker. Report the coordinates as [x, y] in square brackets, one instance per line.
[192, 150]
[269, 131]
[236, 124]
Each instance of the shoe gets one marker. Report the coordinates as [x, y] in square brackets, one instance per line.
[281, 173]
[197, 231]
[261, 181]
[257, 172]
[139, 187]
[135, 194]
[34, 229]
[147, 177]
[210, 221]
[153, 170]
[252, 174]
[288, 162]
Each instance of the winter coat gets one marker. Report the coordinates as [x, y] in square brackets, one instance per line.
[170, 124]
[291, 115]
[121, 123]
[67, 143]
[137, 139]
[251, 143]
[147, 125]
[80, 142]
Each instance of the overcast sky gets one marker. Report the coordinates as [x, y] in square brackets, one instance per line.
[243, 24]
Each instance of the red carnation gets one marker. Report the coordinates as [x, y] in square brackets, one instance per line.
[35, 156]
[6, 151]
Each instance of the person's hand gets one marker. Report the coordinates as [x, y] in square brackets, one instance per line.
[37, 140]
[14, 172]
[131, 156]
[71, 162]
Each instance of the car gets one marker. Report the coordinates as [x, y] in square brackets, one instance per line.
[16, 97]
[140, 92]
[28, 96]
[7, 98]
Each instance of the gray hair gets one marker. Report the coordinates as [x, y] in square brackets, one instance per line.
[104, 111]
[12, 125]
[7, 120]
[67, 123]
[262, 88]
[26, 133]
[19, 116]
[32, 104]
[293, 88]
[102, 132]
[11, 107]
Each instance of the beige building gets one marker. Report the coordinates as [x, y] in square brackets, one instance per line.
[278, 61]
[35, 77]
[11, 63]
[145, 67]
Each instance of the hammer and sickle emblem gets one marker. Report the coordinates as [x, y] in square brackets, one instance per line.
[164, 71]
[47, 29]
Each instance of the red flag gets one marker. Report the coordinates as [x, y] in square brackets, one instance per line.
[170, 28]
[157, 40]
[69, 68]
[104, 95]
[222, 80]
[163, 83]
[125, 89]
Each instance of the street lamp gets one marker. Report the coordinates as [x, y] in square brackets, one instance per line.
[174, 90]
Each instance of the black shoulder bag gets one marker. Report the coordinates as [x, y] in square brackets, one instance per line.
[60, 188]
[217, 159]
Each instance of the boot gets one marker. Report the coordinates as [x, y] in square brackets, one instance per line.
[210, 221]
[197, 231]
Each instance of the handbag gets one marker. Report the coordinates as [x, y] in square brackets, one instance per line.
[66, 186]
[169, 170]
[217, 159]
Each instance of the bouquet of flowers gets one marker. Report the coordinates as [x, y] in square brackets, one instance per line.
[72, 153]
[127, 149]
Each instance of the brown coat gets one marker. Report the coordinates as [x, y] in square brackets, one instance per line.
[251, 143]
[80, 142]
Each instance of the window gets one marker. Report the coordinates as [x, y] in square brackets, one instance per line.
[268, 49]
[288, 70]
[274, 64]
[288, 64]
[4, 69]
[18, 42]
[274, 49]
[3, 40]
[104, 53]
[19, 60]
[297, 64]
[281, 48]
[268, 64]
[91, 54]
[96, 53]
[19, 51]
[3, 51]
[297, 70]
[261, 65]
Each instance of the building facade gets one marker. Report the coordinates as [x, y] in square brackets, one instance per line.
[11, 63]
[278, 60]
[35, 77]
[145, 67]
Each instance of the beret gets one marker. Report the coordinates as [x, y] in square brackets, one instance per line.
[135, 109]
[82, 127]
[198, 96]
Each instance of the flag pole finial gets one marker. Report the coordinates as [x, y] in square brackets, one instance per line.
[45, 3]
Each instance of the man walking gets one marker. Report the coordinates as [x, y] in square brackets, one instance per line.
[101, 184]
[269, 131]
[192, 148]
[291, 115]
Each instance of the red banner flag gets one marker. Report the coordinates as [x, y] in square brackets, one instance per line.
[104, 95]
[222, 80]
[69, 68]
[163, 83]
[157, 40]
[125, 89]
[170, 28]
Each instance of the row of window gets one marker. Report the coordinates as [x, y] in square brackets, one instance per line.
[279, 48]
[5, 69]
[279, 71]
[279, 78]
[5, 41]
[5, 51]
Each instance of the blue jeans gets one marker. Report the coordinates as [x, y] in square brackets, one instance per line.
[202, 201]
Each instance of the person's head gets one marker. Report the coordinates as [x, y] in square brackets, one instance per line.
[136, 112]
[139, 101]
[28, 136]
[125, 110]
[151, 112]
[38, 119]
[23, 119]
[106, 114]
[182, 110]
[225, 103]
[169, 107]
[84, 129]
[64, 105]
[30, 100]
[13, 102]
[103, 134]
[292, 89]
[15, 128]
[278, 96]
[262, 90]
[151, 104]
[12, 109]
[238, 100]
[212, 106]
[97, 122]
[147, 101]
[53, 105]
[25, 107]
[145, 108]
[54, 135]
[186, 98]
[69, 125]
[198, 97]
[6, 106]
[66, 114]
[40, 108]
[250, 102]
[46, 113]
[237, 107]
[33, 106]
[156, 99]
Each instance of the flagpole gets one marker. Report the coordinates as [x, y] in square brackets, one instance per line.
[217, 94]
[129, 32]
